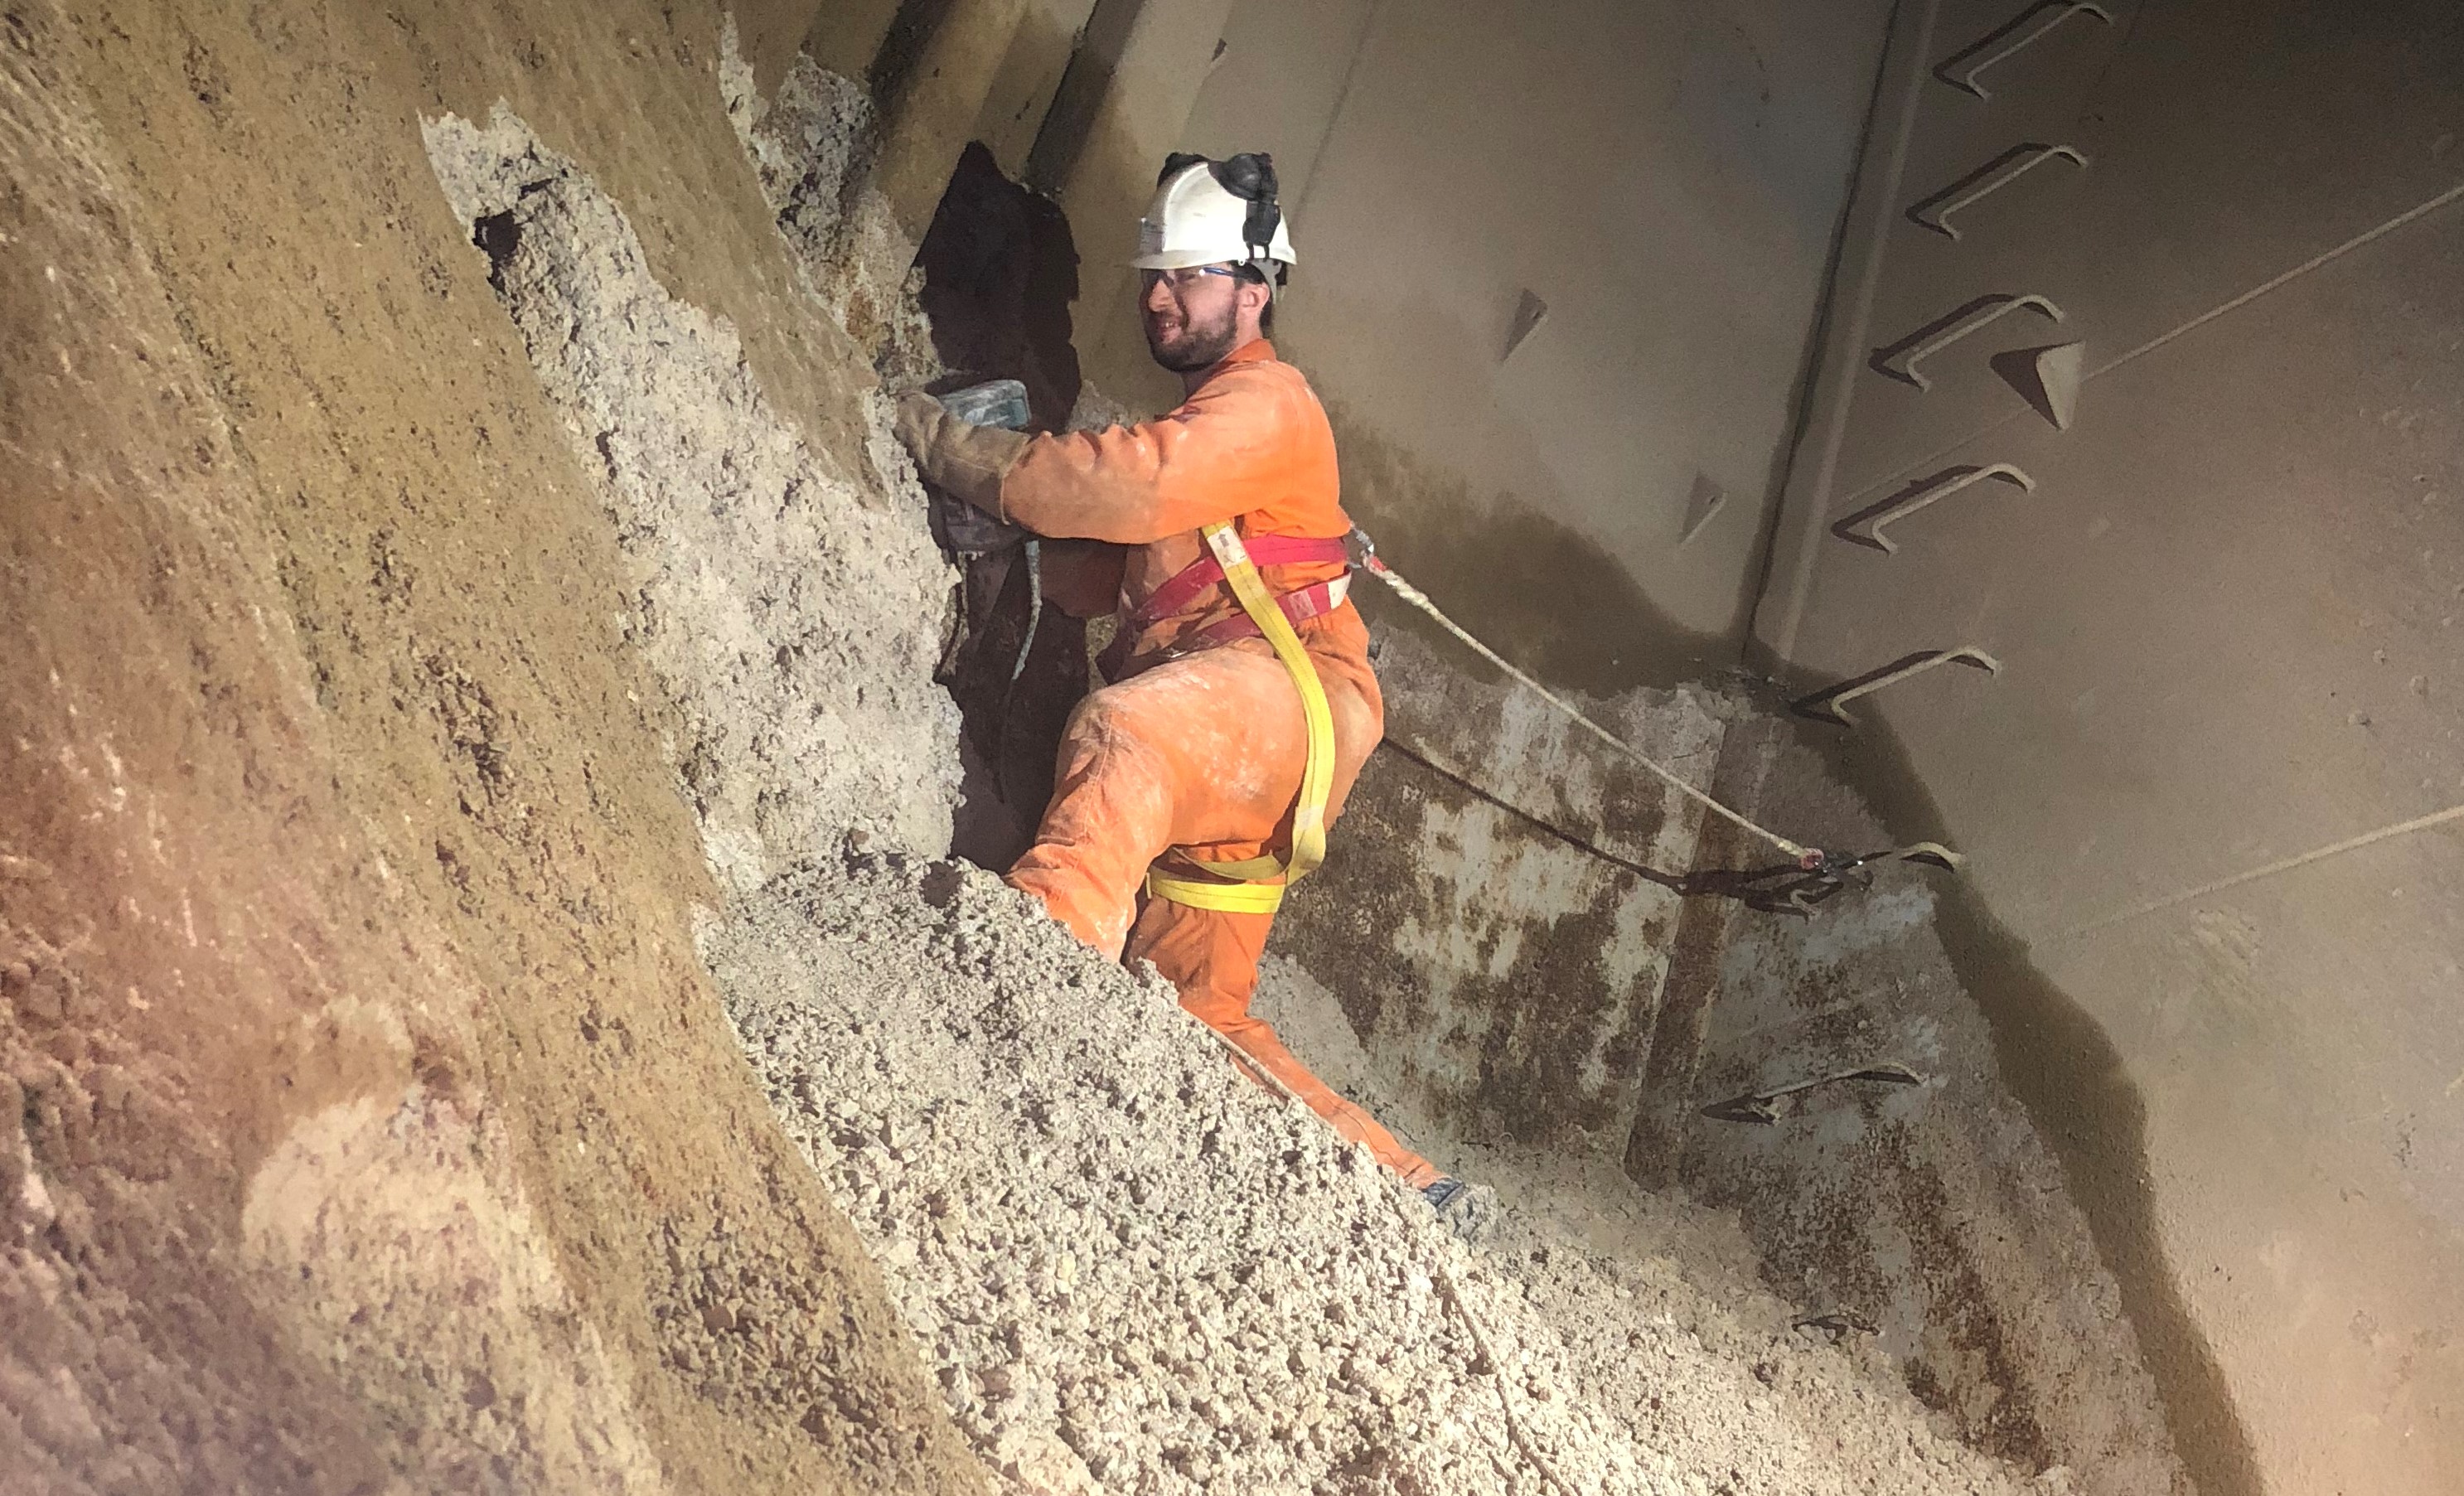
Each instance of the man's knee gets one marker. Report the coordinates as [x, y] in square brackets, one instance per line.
[1094, 707]
[1103, 724]
[1210, 957]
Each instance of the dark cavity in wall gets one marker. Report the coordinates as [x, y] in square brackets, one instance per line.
[498, 235]
[999, 270]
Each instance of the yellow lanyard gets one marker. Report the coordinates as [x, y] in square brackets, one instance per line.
[1264, 879]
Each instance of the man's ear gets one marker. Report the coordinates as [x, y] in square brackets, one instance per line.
[1254, 296]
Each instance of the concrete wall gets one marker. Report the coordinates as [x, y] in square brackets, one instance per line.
[1893, 1181]
[1665, 177]
[988, 69]
[2210, 887]
[1498, 906]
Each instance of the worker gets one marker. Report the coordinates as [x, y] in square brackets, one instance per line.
[1196, 786]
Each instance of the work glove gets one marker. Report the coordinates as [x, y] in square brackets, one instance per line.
[963, 460]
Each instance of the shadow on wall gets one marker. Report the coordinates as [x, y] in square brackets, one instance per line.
[1532, 589]
[2055, 1057]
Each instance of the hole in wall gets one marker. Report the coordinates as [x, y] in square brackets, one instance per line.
[999, 269]
[499, 236]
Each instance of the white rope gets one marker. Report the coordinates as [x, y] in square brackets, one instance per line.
[1419, 599]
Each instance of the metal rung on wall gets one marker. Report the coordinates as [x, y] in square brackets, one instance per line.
[1935, 211]
[2031, 25]
[1865, 527]
[1832, 705]
[1900, 361]
[1763, 1107]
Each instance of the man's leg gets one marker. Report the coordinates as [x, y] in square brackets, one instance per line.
[1110, 816]
[1204, 752]
[1212, 958]
[1201, 751]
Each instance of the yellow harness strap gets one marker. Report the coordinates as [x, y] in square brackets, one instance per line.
[1264, 879]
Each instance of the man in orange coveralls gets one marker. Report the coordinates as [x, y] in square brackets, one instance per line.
[1193, 755]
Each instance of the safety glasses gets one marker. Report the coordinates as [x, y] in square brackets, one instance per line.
[1184, 277]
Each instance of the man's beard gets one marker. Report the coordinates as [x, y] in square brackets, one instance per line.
[1197, 345]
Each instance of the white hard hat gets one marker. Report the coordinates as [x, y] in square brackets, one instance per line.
[1207, 213]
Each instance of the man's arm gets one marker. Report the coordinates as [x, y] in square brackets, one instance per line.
[956, 456]
[1218, 455]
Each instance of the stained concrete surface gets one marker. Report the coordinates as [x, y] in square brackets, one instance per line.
[1507, 975]
[1503, 919]
[2228, 619]
[1948, 1214]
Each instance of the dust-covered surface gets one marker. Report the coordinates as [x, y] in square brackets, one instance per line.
[814, 141]
[366, 1121]
[794, 615]
[1136, 1271]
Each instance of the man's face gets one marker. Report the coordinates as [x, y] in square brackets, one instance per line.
[1193, 316]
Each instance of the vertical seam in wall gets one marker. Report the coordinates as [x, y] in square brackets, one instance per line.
[1807, 386]
[1831, 392]
[1334, 115]
[1069, 119]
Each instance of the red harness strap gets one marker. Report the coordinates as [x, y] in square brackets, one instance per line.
[1267, 550]
[1315, 601]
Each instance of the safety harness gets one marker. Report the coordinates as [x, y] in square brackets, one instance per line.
[1184, 585]
[1257, 883]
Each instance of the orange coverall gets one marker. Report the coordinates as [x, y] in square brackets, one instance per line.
[1199, 753]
